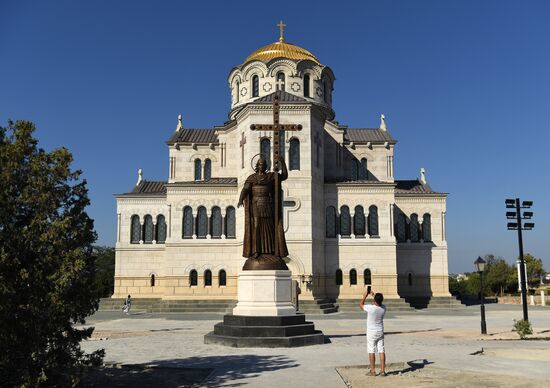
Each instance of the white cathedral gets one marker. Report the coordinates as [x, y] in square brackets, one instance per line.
[348, 222]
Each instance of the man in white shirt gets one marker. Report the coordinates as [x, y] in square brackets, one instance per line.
[375, 330]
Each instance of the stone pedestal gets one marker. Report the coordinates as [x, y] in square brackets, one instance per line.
[264, 315]
[265, 293]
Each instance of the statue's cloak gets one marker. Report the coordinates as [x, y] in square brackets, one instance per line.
[252, 234]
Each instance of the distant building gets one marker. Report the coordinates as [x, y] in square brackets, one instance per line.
[461, 277]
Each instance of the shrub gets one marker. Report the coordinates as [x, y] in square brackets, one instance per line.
[523, 328]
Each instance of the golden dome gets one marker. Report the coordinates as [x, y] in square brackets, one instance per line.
[281, 49]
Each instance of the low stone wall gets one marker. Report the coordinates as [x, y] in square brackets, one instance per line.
[517, 299]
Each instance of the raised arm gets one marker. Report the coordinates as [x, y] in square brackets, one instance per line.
[362, 303]
[284, 171]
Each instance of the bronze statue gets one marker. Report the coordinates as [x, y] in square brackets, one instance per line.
[264, 243]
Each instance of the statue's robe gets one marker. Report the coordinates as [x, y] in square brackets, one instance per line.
[260, 231]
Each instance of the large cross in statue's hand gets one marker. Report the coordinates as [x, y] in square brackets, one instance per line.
[276, 128]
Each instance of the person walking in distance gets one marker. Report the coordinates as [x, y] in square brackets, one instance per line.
[127, 305]
[375, 330]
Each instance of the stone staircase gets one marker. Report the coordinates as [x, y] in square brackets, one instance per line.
[157, 305]
[434, 303]
[393, 305]
[318, 306]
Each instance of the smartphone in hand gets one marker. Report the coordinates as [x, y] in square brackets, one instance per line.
[368, 289]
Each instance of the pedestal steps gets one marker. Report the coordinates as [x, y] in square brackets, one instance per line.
[318, 306]
[264, 331]
[392, 305]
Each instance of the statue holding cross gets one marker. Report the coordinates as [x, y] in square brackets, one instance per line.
[264, 243]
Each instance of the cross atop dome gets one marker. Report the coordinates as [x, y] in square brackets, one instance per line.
[281, 26]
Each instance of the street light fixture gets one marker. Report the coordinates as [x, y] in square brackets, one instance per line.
[480, 267]
[515, 204]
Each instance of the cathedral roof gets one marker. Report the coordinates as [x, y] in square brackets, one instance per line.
[194, 135]
[281, 49]
[361, 135]
[413, 186]
[148, 188]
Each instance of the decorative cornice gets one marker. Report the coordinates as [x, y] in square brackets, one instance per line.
[131, 199]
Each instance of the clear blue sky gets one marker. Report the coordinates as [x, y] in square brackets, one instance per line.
[465, 86]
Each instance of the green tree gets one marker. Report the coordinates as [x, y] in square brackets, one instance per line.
[105, 270]
[46, 263]
[497, 274]
[535, 269]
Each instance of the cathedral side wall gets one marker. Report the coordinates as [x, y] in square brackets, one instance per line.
[135, 263]
[423, 266]
[376, 253]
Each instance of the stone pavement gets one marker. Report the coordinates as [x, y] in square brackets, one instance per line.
[435, 340]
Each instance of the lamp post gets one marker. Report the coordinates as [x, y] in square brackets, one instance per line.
[515, 204]
[480, 267]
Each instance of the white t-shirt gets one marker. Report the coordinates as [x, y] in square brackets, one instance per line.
[375, 318]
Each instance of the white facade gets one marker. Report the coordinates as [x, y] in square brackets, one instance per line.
[337, 172]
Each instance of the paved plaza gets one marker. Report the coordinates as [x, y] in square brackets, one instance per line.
[424, 348]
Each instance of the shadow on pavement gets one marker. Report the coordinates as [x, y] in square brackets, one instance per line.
[213, 371]
[413, 365]
[411, 331]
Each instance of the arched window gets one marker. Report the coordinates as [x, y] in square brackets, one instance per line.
[216, 222]
[363, 171]
[202, 222]
[294, 154]
[345, 222]
[414, 228]
[148, 229]
[331, 222]
[401, 228]
[222, 278]
[255, 86]
[339, 277]
[352, 277]
[237, 92]
[354, 170]
[207, 277]
[306, 86]
[193, 278]
[135, 231]
[427, 227]
[230, 222]
[207, 169]
[359, 221]
[367, 277]
[265, 149]
[153, 280]
[373, 221]
[198, 169]
[161, 229]
[281, 81]
[187, 222]
[410, 279]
